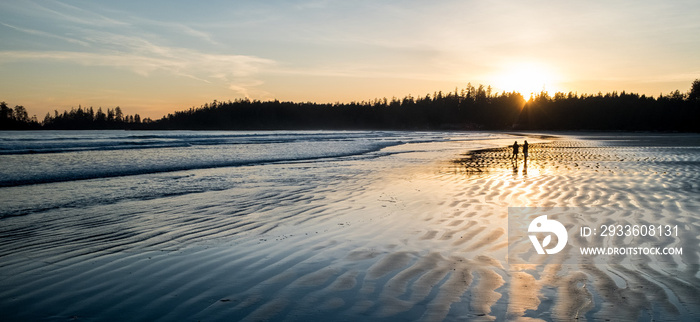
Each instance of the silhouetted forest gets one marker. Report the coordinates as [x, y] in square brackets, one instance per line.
[76, 119]
[470, 108]
[16, 118]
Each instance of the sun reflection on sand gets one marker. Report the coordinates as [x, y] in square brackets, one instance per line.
[387, 240]
[583, 173]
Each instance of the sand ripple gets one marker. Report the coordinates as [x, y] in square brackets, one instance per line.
[395, 243]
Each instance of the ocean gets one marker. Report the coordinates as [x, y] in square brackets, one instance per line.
[330, 225]
[47, 170]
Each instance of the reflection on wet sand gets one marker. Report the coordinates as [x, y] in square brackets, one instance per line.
[578, 173]
[415, 243]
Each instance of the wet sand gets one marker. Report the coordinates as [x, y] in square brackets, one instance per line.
[404, 240]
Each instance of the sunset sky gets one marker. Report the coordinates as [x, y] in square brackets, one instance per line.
[154, 57]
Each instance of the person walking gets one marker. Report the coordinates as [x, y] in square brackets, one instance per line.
[525, 149]
[515, 150]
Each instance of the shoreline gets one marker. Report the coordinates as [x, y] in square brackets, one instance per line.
[404, 235]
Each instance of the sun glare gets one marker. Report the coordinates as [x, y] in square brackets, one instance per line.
[527, 79]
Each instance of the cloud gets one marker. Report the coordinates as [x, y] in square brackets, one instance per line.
[250, 89]
[76, 15]
[129, 43]
[46, 34]
[177, 61]
[179, 27]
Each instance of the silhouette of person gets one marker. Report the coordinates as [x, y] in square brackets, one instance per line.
[515, 150]
[525, 149]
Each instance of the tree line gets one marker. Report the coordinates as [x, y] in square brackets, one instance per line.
[470, 108]
[16, 118]
[76, 119]
[612, 111]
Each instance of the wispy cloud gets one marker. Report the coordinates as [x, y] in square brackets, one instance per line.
[77, 15]
[177, 27]
[126, 43]
[46, 34]
[181, 62]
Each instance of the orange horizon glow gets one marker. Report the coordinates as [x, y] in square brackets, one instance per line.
[151, 61]
[528, 79]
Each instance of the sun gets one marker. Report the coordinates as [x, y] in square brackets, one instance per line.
[527, 79]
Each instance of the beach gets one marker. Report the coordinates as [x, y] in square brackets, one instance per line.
[377, 227]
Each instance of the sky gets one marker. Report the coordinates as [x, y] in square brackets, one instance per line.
[156, 57]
